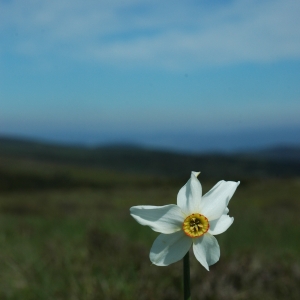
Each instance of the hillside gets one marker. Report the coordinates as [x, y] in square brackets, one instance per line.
[44, 164]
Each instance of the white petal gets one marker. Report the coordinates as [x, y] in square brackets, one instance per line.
[206, 250]
[164, 219]
[214, 203]
[189, 196]
[169, 248]
[220, 225]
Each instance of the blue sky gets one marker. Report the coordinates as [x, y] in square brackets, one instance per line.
[190, 75]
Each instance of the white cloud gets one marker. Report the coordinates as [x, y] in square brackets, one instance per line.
[168, 34]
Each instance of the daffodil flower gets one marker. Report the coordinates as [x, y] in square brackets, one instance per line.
[193, 221]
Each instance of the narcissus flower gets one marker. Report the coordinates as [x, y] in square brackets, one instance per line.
[193, 221]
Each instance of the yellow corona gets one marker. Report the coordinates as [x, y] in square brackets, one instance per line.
[195, 225]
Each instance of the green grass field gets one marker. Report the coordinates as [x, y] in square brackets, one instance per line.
[81, 243]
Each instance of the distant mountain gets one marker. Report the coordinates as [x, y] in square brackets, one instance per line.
[280, 153]
[272, 162]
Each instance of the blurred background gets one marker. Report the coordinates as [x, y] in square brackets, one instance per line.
[109, 104]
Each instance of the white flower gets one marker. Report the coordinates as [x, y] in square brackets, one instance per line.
[193, 221]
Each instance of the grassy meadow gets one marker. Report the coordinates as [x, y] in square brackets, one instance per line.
[66, 233]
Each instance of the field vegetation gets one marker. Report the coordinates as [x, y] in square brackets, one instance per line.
[66, 233]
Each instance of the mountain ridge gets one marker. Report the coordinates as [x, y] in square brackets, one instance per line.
[278, 161]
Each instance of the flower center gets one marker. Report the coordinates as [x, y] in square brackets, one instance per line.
[195, 225]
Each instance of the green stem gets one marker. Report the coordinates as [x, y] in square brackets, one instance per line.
[186, 277]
